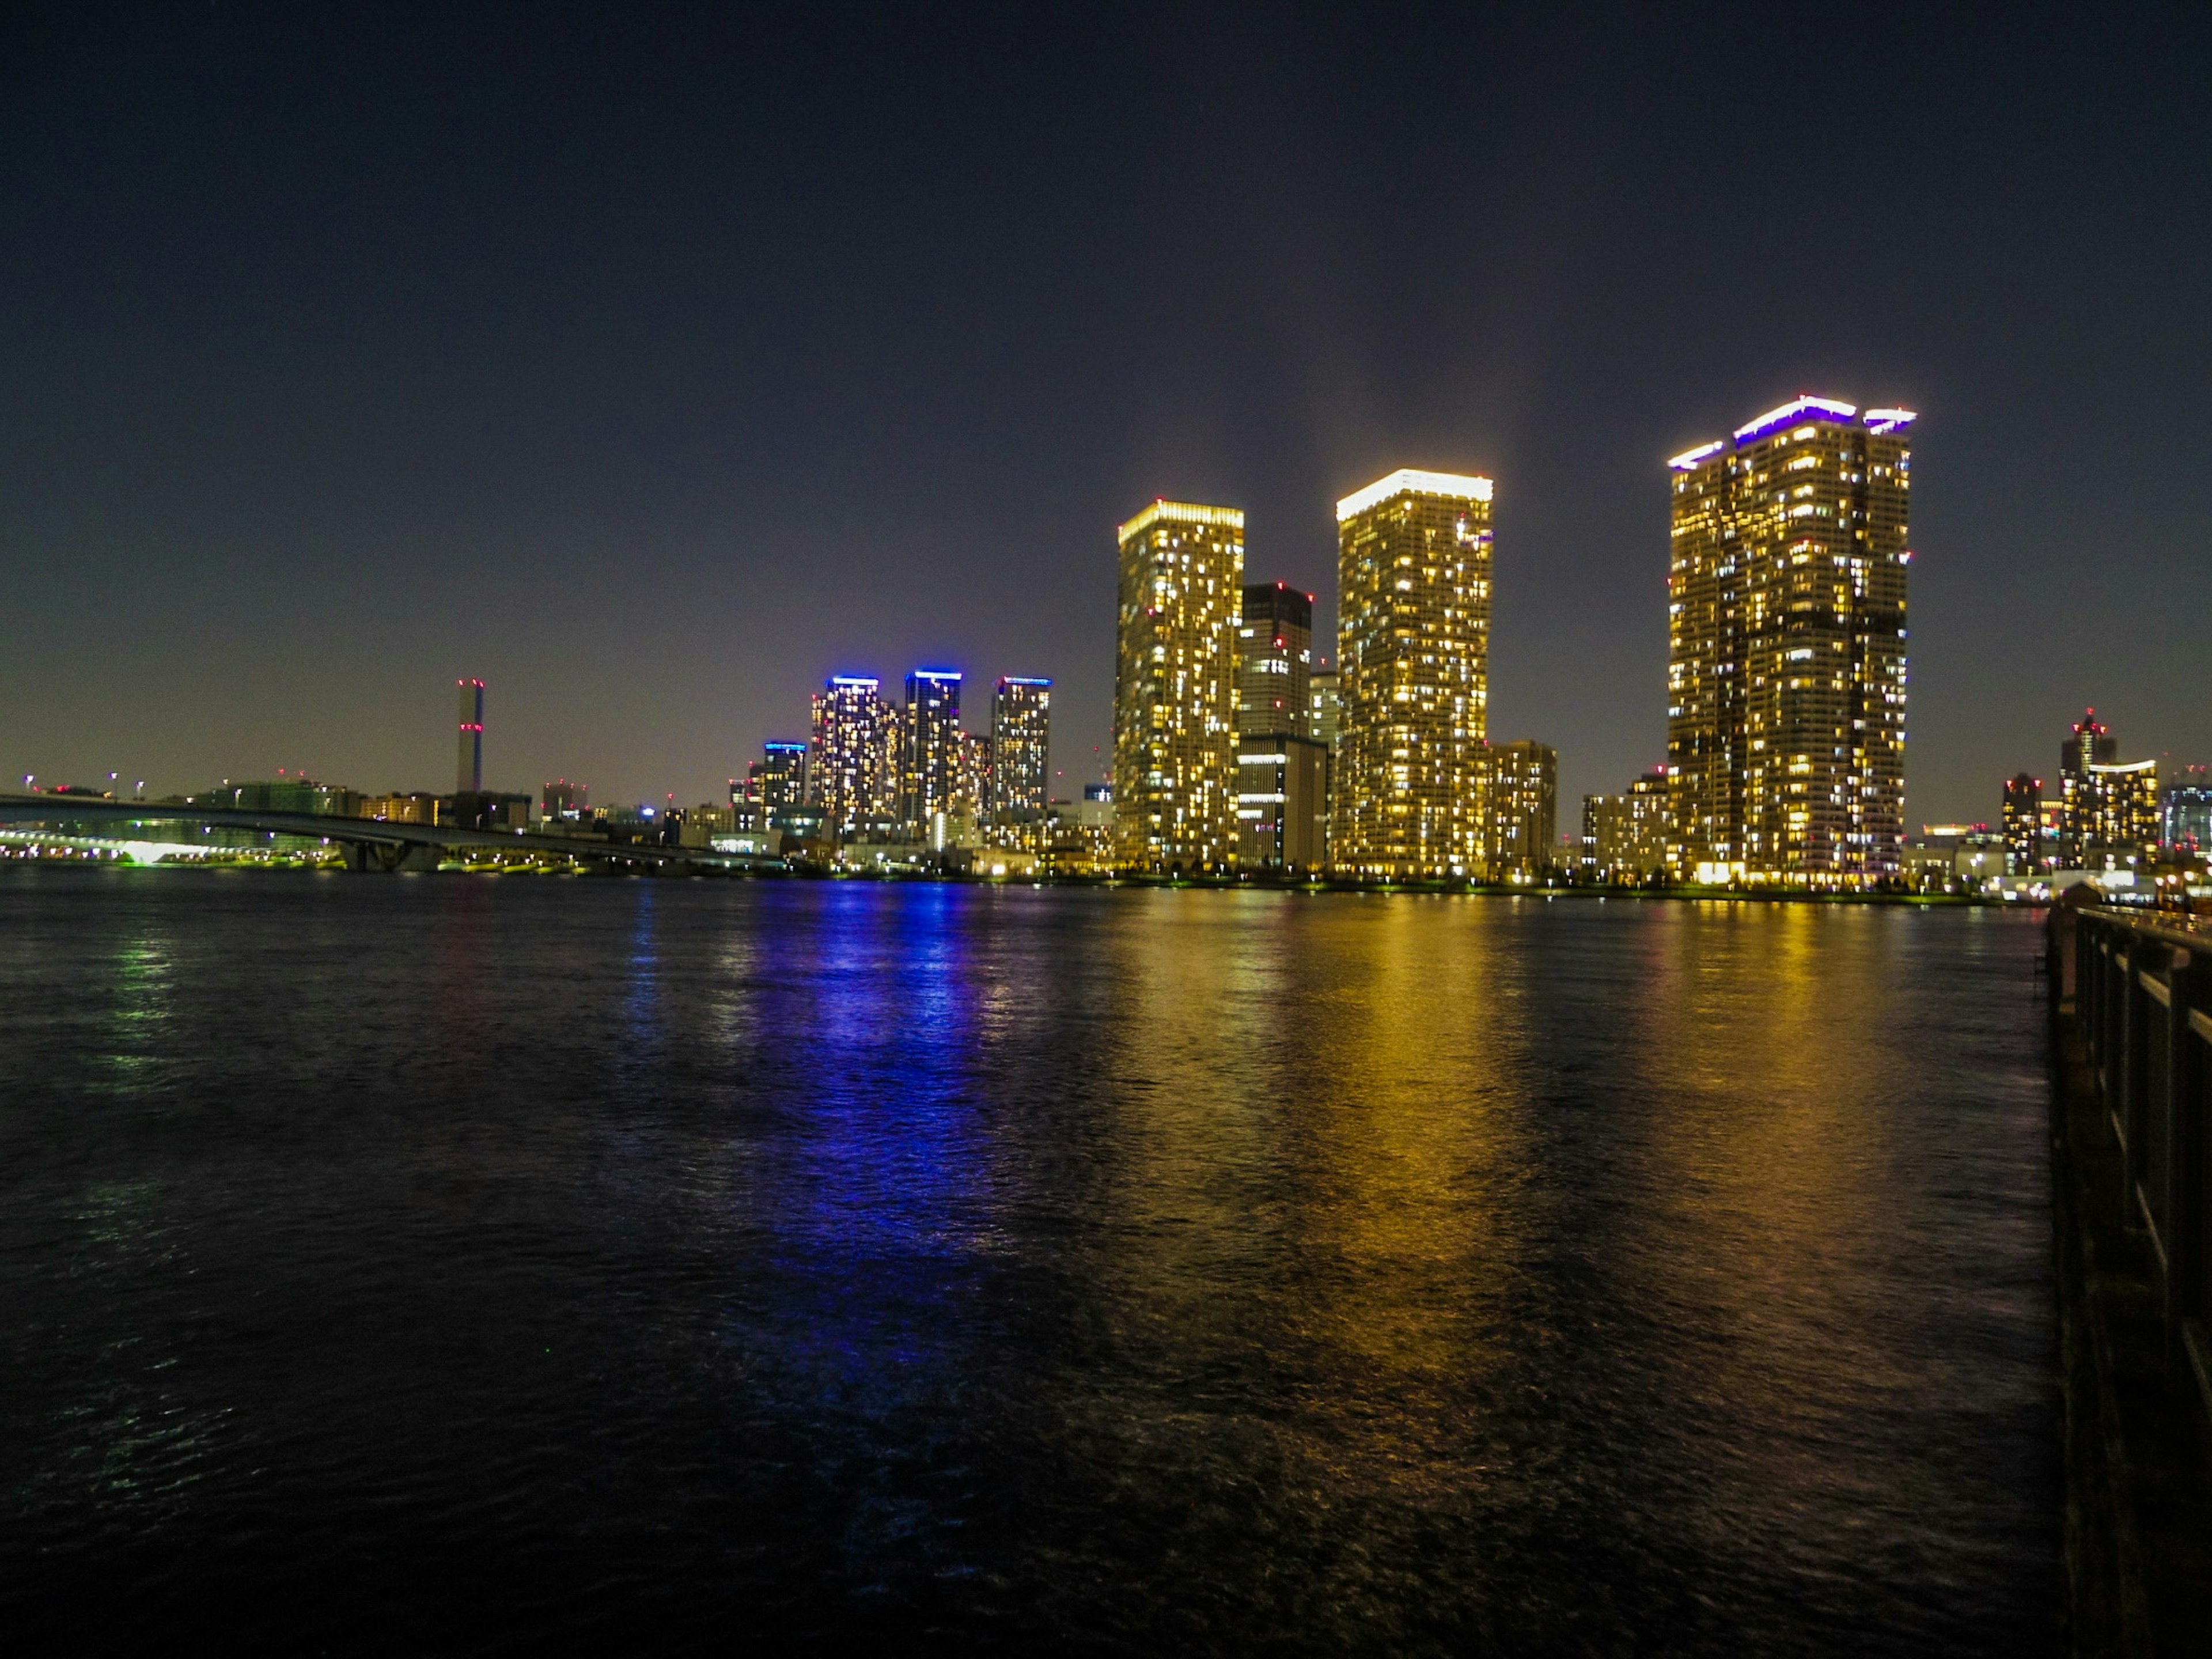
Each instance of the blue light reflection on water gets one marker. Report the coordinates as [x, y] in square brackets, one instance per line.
[473, 1263]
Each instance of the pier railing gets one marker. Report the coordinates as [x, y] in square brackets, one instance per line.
[2142, 995]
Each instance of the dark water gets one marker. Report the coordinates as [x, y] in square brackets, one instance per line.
[444, 1263]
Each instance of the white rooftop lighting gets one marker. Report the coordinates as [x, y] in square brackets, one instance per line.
[1181, 512]
[1888, 420]
[1689, 458]
[1410, 480]
[1821, 409]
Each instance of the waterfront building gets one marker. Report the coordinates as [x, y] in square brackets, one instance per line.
[933, 762]
[2022, 824]
[1624, 835]
[1520, 791]
[1175, 692]
[2119, 825]
[2186, 814]
[1413, 575]
[1021, 748]
[1080, 836]
[416, 808]
[778, 778]
[2091, 743]
[1282, 803]
[853, 770]
[1326, 705]
[564, 800]
[1274, 661]
[468, 769]
[1786, 661]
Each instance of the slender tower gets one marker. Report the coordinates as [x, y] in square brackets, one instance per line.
[1414, 562]
[1175, 688]
[468, 769]
[1785, 700]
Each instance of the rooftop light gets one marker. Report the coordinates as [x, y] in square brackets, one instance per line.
[1412, 481]
[1181, 512]
[1689, 458]
[1821, 408]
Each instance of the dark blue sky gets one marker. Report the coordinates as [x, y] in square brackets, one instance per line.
[653, 365]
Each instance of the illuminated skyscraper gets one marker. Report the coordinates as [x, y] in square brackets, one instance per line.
[1282, 771]
[1274, 661]
[2092, 744]
[468, 769]
[1021, 746]
[2022, 824]
[1786, 646]
[933, 768]
[1414, 559]
[853, 770]
[1174, 690]
[778, 778]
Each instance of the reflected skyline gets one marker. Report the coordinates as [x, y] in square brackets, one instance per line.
[1174, 1265]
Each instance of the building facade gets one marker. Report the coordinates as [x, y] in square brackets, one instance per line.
[1326, 705]
[1021, 748]
[1625, 837]
[778, 778]
[1274, 661]
[931, 762]
[2186, 814]
[853, 770]
[2090, 744]
[2023, 825]
[1786, 648]
[1414, 578]
[2118, 826]
[1175, 689]
[1521, 800]
[1282, 803]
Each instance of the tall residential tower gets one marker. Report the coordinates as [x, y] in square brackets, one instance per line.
[852, 771]
[1175, 688]
[1021, 747]
[1785, 672]
[1412, 640]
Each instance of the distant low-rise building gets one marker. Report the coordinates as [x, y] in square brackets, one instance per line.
[1624, 835]
[1519, 783]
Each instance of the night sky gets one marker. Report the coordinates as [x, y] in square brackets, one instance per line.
[652, 365]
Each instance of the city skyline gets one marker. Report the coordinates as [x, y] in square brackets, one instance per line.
[322, 437]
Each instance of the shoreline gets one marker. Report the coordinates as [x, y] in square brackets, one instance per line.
[539, 867]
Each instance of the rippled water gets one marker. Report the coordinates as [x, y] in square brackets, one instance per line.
[447, 1263]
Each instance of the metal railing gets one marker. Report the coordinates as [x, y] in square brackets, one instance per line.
[2141, 990]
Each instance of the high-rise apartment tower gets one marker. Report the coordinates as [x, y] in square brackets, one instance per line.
[852, 770]
[1175, 688]
[2022, 824]
[1414, 562]
[933, 768]
[1274, 661]
[1785, 672]
[1021, 746]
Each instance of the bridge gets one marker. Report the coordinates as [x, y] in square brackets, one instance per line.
[370, 844]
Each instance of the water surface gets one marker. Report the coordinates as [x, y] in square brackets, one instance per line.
[458, 1264]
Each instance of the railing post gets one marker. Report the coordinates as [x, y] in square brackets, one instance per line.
[2186, 1176]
